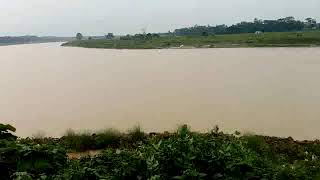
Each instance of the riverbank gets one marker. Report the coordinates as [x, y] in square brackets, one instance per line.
[182, 154]
[272, 39]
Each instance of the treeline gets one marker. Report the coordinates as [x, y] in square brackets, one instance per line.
[18, 39]
[30, 39]
[287, 24]
[140, 36]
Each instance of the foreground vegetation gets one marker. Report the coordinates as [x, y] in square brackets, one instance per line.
[179, 155]
[149, 41]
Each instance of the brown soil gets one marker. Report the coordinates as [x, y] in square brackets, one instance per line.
[79, 155]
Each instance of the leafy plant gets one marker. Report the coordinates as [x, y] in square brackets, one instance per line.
[6, 131]
[180, 155]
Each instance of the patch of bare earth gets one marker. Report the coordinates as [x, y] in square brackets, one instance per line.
[79, 155]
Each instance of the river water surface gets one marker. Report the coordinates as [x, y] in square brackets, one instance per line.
[271, 91]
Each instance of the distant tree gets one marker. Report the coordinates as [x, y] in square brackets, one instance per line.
[286, 24]
[109, 36]
[149, 36]
[155, 35]
[204, 33]
[288, 19]
[257, 21]
[139, 36]
[79, 36]
[311, 23]
[89, 38]
[126, 37]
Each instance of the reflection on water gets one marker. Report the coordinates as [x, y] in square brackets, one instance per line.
[274, 91]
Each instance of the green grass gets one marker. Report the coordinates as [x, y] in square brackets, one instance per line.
[272, 39]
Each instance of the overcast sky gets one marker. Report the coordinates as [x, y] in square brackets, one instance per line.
[97, 17]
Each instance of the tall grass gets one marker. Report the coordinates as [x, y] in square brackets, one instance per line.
[78, 141]
[136, 134]
[83, 141]
[108, 137]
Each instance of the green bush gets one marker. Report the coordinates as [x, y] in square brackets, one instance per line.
[41, 159]
[108, 138]
[78, 141]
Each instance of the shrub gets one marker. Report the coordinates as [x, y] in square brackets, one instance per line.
[257, 144]
[78, 141]
[41, 159]
[136, 134]
[108, 138]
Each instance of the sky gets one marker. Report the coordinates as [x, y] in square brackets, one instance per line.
[98, 17]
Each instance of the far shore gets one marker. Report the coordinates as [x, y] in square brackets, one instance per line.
[271, 39]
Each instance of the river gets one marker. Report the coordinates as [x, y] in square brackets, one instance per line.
[47, 89]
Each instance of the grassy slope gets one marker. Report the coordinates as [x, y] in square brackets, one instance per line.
[274, 39]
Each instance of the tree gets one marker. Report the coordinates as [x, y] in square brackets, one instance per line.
[257, 21]
[149, 36]
[289, 19]
[287, 24]
[204, 33]
[311, 23]
[79, 36]
[109, 36]
[155, 35]
[126, 37]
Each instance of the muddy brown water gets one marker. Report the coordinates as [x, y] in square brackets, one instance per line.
[272, 91]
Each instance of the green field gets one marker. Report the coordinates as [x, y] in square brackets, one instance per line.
[273, 39]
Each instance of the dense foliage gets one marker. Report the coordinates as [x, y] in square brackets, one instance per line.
[79, 36]
[179, 155]
[287, 24]
[18, 160]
